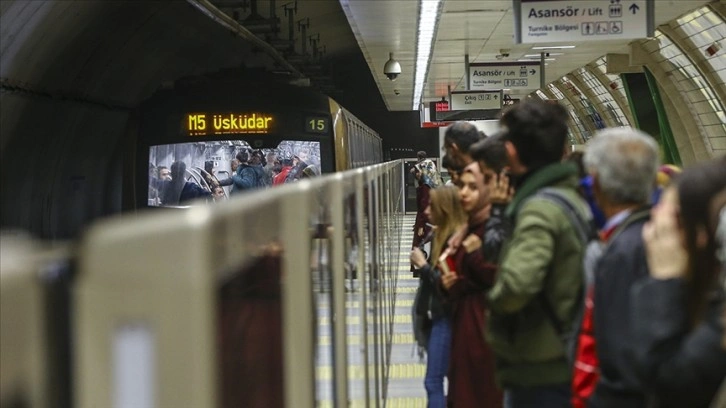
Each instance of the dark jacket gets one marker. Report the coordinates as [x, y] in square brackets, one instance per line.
[678, 366]
[430, 303]
[622, 263]
[179, 191]
[544, 255]
[248, 177]
[423, 198]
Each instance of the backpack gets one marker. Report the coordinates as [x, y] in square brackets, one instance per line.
[587, 232]
[428, 169]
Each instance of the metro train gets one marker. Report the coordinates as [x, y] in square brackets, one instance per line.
[207, 121]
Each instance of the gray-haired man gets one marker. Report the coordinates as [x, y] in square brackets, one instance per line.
[623, 163]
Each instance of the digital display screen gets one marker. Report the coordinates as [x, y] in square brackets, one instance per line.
[217, 170]
[206, 124]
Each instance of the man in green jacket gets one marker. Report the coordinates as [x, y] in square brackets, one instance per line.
[539, 284]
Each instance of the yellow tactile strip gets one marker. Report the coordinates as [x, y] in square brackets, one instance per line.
[405, 402]
[357, 304]
[356, 372]
[397, 319]
[352, 340]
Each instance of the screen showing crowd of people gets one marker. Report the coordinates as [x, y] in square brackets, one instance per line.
[558, 279]
[218, 170]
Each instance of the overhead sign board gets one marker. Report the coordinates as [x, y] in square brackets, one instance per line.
[485, 76]
[469, 100]
[544, 21]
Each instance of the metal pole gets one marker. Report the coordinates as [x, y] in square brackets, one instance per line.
[466, 73]
[541, 69]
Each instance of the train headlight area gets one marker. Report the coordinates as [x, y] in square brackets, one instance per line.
[239, 304]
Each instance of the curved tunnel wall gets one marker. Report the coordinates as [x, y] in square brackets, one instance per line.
[71, 74]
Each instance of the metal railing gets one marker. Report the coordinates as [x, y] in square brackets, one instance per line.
[242, 303]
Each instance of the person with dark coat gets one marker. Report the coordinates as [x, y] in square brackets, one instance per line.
[471, 370]
[677, 319]
[421, 227]
[250, 174]
[177, 191]
[623, 163]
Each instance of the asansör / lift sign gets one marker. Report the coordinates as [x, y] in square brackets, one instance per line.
[542, 21]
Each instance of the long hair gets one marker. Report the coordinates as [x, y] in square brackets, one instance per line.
[447, 211]
[697, 188]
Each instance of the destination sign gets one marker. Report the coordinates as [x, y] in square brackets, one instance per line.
[205, 124]
[489, 76]
[544, 21]
[468, 100]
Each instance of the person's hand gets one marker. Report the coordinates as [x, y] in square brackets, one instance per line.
[666, 254]
[448, 279]
[471, 243]
[499, 190]
[418, 259]
[420, 232]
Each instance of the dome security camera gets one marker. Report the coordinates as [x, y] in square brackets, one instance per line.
[392, 69]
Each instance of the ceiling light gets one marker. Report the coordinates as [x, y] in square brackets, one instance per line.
[530, 60]
[428, 20]
[554, 47]
[552, 54]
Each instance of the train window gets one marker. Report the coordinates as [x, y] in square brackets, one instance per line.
[217, 170]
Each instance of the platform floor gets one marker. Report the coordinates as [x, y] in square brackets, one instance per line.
[405, 387]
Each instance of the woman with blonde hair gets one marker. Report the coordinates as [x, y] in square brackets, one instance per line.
[445, 212]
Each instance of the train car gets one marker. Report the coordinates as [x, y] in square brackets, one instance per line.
[202, 128]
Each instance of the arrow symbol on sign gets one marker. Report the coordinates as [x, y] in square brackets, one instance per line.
[532, 72]
[634, 8]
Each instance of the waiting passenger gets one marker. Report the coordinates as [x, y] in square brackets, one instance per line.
[586, 188]
[428, 168]
[164, 173]
[211, 178]
[250, 174]
[218, 194]
[281, 176]
[677, 311]
[446, 213]
[457, 140]
[453, 170]
[622, 163]
[270, 166]
[309, 172]
[471, 371]
[178, 191]
[540, 268]
[491, 154]
[421, 226]
[295, 173]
